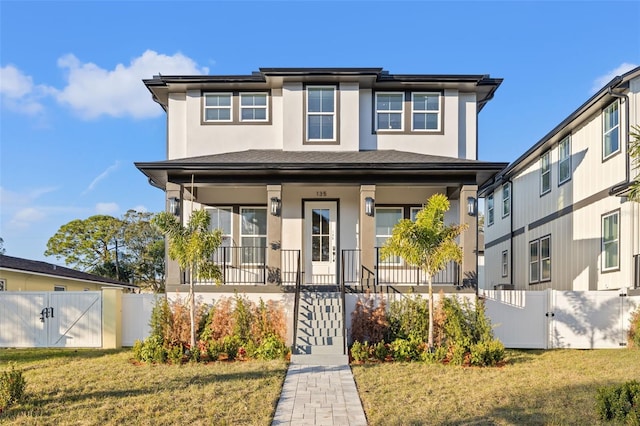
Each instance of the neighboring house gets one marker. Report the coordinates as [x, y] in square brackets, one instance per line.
[17, 274]
[557, 217]
[307, 170]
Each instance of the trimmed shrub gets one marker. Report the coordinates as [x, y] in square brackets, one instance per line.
[486, 354]
[360, 351]
[409, 319]
[12, 385]
[620, 403]
[151, 350]
[271, 347]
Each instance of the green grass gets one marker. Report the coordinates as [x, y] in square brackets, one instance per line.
[555, 387]
[96, 387]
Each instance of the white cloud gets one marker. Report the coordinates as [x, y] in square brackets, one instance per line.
[101, 176]
[107, 208]
[18, 93]
[599, 82]
[25, 217]
[93, 91]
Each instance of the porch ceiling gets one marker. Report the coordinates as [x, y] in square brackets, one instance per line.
[277, 166]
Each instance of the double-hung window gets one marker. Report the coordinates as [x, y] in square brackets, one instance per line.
[253, 107]
[610, 241]
[545, 173]
[505, 263]
[425, 111]
[389, 111]
[221, 219]
[540, 260]
[253, 234]
[321, 113]
[610, 130]
[490, 210]
[218, 107]
[386, 219]
[506, 199]
[564, 160]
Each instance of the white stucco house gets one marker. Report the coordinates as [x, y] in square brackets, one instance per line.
[557, 217]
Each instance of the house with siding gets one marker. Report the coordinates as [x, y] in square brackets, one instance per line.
[307, 170]
[558, 216]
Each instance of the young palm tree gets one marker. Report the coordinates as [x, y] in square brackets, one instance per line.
[426, 243]
[192, 246]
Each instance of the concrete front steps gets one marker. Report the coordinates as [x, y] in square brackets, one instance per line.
[320, 334]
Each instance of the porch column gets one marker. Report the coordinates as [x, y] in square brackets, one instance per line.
[172, 269]
[367, 229]
[468, 239]
[274, 236]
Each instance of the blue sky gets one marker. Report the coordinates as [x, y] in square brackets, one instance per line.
[75, 116]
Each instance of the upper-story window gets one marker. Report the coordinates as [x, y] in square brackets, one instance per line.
[610, 241]
[253, 107]
[218, 107]
[545, 173]
[506, 199]
[564, 160]
[426, 111]
[490, 210]
[321, 113]
[610, 130]
[389, 111]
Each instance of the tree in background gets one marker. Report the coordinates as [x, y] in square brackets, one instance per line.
[2, 250]
[128, 249]
[426, 243]
[192, 246]
[634, 154]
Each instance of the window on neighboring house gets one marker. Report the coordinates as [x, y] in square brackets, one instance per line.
[386, 219]
[490, 210]
[426, 111]
[321, 111]
[217, 107]
[253, 107]
[414, 212]
[564, 160]
[610, 130]
[59, 288]
[545, 173]
[610, 241]
[389, 111]
[540, 260]
[506, 199]
[253, 234]
[505, 263]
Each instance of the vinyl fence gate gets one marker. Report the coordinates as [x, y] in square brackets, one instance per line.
[51, 319]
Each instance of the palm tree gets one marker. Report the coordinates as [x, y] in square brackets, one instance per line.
[426, 243]
[192, 246]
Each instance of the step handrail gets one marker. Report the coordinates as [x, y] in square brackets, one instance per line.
[296, 307]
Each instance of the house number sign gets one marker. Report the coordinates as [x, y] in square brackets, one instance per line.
[321, 193]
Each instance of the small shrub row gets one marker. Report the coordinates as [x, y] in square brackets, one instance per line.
[462, 332]
[620, 403]
[12, 385]
[231, 329]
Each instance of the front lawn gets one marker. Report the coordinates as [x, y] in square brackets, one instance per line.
[556, 387]
[97, 387]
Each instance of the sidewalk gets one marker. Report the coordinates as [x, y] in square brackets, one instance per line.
[319, 395]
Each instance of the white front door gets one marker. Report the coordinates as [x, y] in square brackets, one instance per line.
[320, 242]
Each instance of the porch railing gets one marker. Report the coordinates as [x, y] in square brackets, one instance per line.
[353, 273]
[396, 271]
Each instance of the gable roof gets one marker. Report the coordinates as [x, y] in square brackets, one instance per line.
[260, 166]
[11, 263]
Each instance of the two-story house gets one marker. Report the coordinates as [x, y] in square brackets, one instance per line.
[307, 170]
[557, 217]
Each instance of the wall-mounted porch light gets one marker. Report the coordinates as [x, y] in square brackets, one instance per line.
[369, 206]
[471, 206]
[275, 206]
[174, 206]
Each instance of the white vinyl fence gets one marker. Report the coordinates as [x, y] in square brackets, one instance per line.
[560, 319]
[136, 313]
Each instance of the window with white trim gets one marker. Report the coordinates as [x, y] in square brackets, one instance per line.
[253, 234]
[59, 288]
[321, 111]
[545, 173]
[564, 160]
[610, 130]
[490, 210]
[611, 241]
[221, 219]
[506, 199]
[218, 107]
[505, 263]
[253, 107]
[386, 219]
[414, 212]
[540, 260]
[425, 111]
[389, 111]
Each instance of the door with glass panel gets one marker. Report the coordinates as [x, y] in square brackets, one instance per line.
[320, 242]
